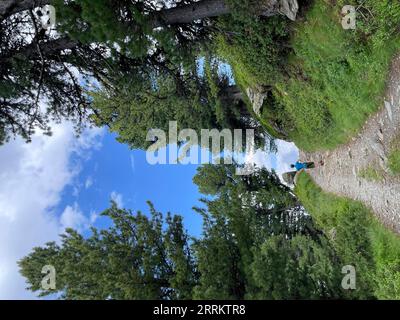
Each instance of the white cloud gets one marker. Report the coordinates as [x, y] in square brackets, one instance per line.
[132, 163]
[93, 217]
[72, 217]
[287, 154]
[88, 182]
[117, 198]
[33, 177]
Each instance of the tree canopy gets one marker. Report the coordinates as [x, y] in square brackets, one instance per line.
[136, 258]
[127, 49]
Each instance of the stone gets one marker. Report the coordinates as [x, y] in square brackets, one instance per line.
[256, 97]
[289, 8]
[377, 147]
[388, 107]
[380, 135]
[332, 233]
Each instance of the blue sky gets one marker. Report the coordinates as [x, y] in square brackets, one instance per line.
[115, 170]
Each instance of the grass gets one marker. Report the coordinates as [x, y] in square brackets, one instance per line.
[330, 80]
[361, 240]
[338, 77]
[394, 162]
[371, 174]
[394, 157]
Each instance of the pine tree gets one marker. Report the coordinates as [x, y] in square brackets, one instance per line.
[150, 98]
[297, 268]
[100, 39]
[136, 258]
[279, 253]
[219, 264]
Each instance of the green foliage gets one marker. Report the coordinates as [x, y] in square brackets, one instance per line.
[358, 238]
[378, 20]
[254, 47]
[273, 245]
[386, 250]
[337, 76]
[394, 162]
[149, 98]
[308, 271]
[121, 24]
[388, 281]
[324, 81]
[210, 179]
[136, 258]
[28, 78]
[107, 42]
[218, 260]
[141, 104]
[394, 157]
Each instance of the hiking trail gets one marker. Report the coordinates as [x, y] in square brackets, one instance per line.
[370, 148]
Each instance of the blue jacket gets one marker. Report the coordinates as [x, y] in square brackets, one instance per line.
[299, 166]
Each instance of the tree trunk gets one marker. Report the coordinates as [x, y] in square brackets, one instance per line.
[179, 15]
[215, 8]
[10, 7]
[49, 48]
[194, 11]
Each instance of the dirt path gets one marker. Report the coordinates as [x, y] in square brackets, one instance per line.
[341, 172]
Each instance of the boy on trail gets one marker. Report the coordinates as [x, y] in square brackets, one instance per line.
[303, 165]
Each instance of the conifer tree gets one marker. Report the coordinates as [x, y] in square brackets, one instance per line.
[45, 73]
[136, 258]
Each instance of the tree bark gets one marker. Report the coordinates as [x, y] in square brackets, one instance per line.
[215, 8]
[10, 7]
[191, 12]
[48, 48]
[179, 15]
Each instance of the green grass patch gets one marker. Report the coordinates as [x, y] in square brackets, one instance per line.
[360, 240]
[371, 174]
[325, 81]
[394, 162]
[394, 156]
[338, 76]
